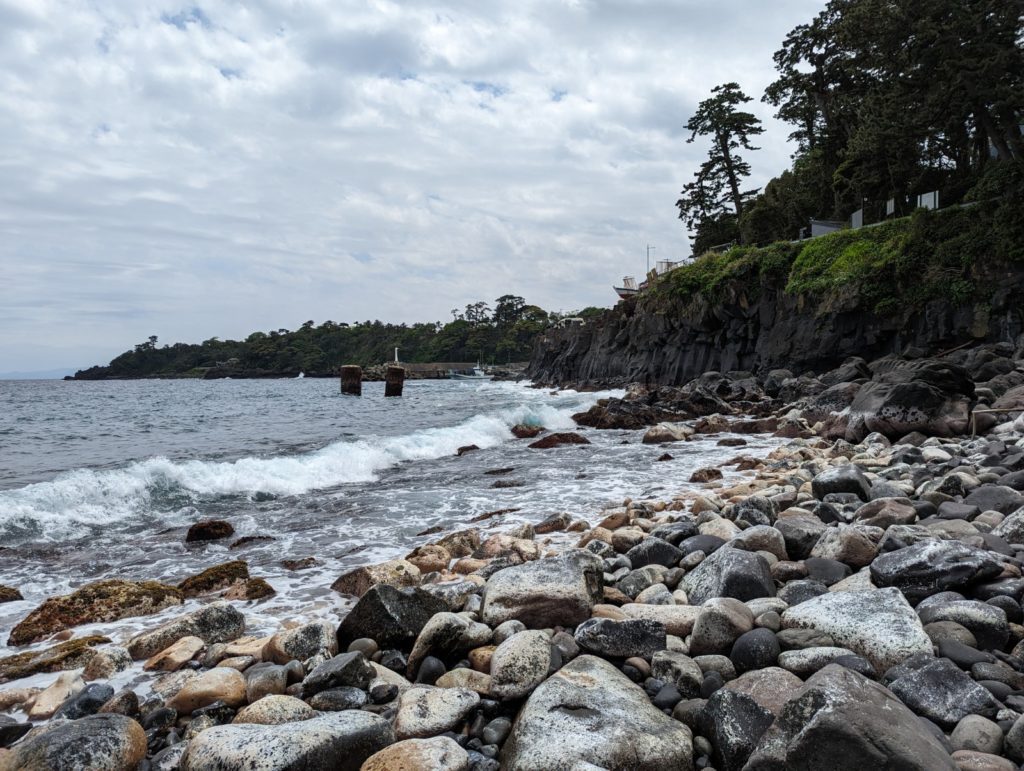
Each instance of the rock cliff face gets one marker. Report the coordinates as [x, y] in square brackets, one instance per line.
[656, 338]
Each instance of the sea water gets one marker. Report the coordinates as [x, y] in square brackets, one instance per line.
[102, 479]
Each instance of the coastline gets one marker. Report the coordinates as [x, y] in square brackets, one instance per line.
[693, 613]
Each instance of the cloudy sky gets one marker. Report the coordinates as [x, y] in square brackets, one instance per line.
[211, 169]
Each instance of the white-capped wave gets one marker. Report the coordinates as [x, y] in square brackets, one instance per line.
[76, 500]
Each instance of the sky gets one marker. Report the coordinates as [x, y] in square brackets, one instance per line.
[213, 168]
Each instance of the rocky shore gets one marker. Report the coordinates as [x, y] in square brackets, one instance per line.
[852, 600]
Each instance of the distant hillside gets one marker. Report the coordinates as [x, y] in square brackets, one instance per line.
[479, 333]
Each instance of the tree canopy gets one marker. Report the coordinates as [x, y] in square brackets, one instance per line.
[477, 333]
[886, 100]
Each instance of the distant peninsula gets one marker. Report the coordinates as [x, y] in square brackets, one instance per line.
[498, 335]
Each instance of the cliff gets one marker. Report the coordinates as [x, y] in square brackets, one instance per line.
[919, 285]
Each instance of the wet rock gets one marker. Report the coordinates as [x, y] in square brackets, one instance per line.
[943, 693]
[218, 684]
[344, 669]
[732, 573]
[11, 731]
[86, 702]
[520, 664]
[303, 642]
[249, 589]
[274, 710]
[556, 590]
[621, 639]
[521, 431]
[437, 754]
[216, 622]
[108, 600]
[9, 594]
[558, 439]
[929, 567]
[214, 579]
[398, 573]
[209, 530]
[108, 661]
[841, 720]
[589, 715]
[337, 741]
[73, 654]
[879, 625]
[53, 696]
[654, 551]
[426, 711]
[388, 615]
[664, 433]
[93, 742]
[429, 557]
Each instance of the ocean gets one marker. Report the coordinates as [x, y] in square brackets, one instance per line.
[102, 479]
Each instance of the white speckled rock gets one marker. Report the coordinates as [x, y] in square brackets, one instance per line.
[520, 664]
[426, 711]
[337, 741]
[807, 661]
[303, 642]
[590, 715]
[556, 590]
[879, 625]
[437, 754]
[275, 709]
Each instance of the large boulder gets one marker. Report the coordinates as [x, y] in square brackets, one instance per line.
[389, 616]
[107, 600]
[932, 566]
[99, 742]
[879, 625]
[842, 721]
[336, 741]
[547, 592]
[929, 396]
[213, 623]
[730, 572]
[590, 715]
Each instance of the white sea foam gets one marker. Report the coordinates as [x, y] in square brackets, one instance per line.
[75, 500]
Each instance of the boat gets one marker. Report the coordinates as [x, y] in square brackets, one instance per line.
[475, 374]
[628, 288]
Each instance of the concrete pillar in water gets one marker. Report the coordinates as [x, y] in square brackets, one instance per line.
[352, 380]
[394, 379]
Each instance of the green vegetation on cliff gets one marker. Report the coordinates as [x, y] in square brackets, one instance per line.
[901, 263]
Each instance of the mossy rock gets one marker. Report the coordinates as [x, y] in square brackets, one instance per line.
[73, 654]
[216, 578]
[107, 600]
[252, 589]
[9, 594]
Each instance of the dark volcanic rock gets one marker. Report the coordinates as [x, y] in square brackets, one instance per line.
[621, 639]
[841, 479]
[730, 572]
[346, 669]
[942, 692]
[929, 567]
[85, 702]
[209, 530]
[558, 439]
[654, 551]
[842, 721]
[734, 723]
[389, 616]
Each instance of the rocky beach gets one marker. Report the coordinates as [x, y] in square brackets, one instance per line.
[845, 596]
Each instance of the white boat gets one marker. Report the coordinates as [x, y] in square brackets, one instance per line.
[477, 374]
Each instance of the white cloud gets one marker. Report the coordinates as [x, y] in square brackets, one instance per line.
[216, 167]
